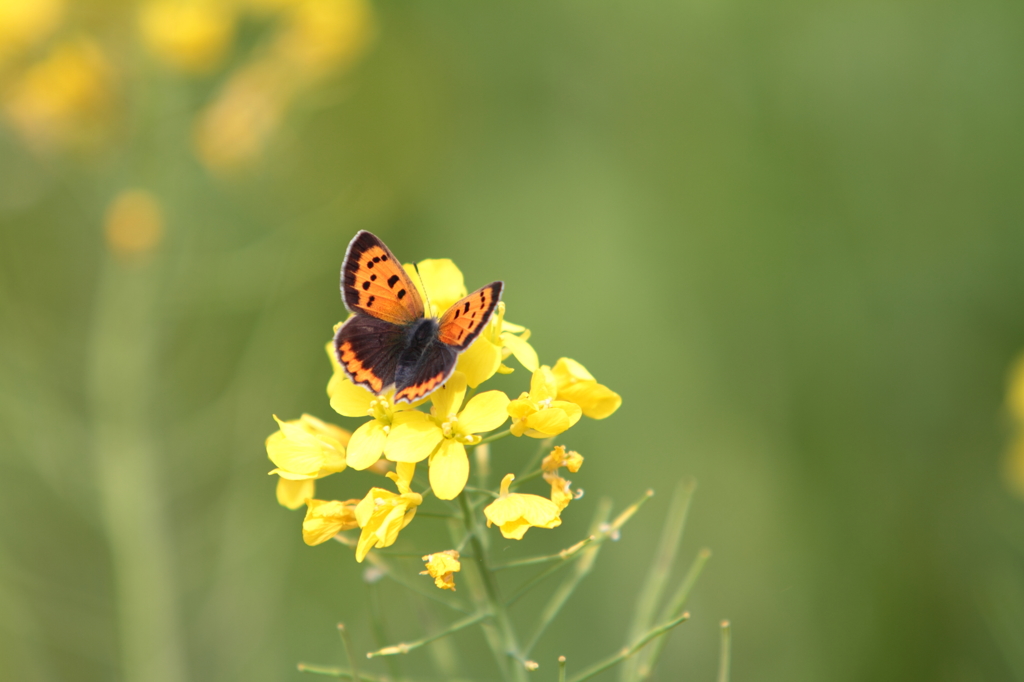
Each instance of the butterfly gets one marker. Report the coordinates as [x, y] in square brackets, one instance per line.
[388, 342]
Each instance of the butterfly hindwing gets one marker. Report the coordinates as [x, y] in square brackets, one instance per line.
[463, 322]
[368, 349]
[431, 370]
[374, 282]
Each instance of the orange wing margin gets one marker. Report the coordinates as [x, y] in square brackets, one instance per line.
[463, 322]
[374, 282]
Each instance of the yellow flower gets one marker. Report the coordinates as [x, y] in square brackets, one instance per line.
[441, 566]
[538, 414]
[382, 513]
[515, 513]
[444, 434]
[349, 400]
[439, 281]
[325, 519]
[65, 99]
[561, 490]
[495, 344]
[304, 450]
[558, 458]
[577, 385]
[25, 22]
[187, 35]
[320, 36]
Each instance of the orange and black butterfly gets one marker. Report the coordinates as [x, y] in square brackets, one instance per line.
[388, 341]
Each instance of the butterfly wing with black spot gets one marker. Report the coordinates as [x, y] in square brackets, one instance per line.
[368, 349]
[463, 322]
[374, 282]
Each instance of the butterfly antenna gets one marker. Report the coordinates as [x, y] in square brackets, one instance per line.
[423, 287]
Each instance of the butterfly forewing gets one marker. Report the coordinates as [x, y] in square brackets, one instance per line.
[374, 282]
[464, 321]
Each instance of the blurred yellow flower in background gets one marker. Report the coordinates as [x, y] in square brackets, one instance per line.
[23, 23]
[538, 414]
[326, 519]
[191, 36]
[382, 513]
[64, 100]
[577, 385]
[441, 566]
[316, 38]
[133, 225]
[516, 513]
[1013, 467]
[304, 450]
[444, 433]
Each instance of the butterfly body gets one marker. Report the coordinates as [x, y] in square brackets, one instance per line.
[388, 341]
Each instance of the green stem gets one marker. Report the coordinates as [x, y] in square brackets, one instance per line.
[723, 661]
[625, 653]
[497, 436]
[561, 669]
[337, 672]
[378, 621]
[400, 577]
[564, 554]
[483, 491]
[507, 635]
[542, 446]
[675, 606]
[346, 642]
[406, 647]
[528, 477]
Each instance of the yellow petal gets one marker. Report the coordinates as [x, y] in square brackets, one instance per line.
[449, 470]
[549, 422]
[484, 412]
[523, 351]
[366, 445]
[480, 361]
[414, 435]
[307, 446]
[596, 400]
[542, 384]
[567, 371]
[515, 513]
[368, 505]
[448, 399]
[293, 494]
[325, 519]
[443, 282]
[347, 399]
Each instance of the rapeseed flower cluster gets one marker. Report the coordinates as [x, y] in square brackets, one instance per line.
[438, 431]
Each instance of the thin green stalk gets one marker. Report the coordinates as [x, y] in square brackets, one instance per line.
[561, 669]
[378, 620]
[507, 635]
[653, 590]
[628, 651]
[542, 447]
[528, 477]
[401, 578]
[562, 554]
[346, 642]
[434, 515]
[406, 647]
[472, 489]
[338, 672]
[122, 377]
[723, 661]
[583, 566]
[674, 607]
[498, 436]
[585, 563]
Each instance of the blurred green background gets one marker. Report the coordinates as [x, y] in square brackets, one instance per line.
[789, 234]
